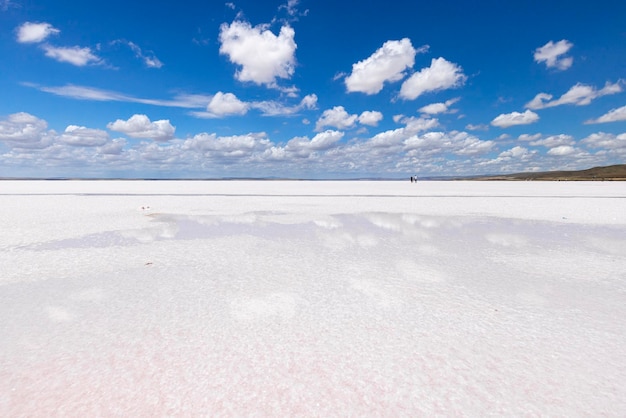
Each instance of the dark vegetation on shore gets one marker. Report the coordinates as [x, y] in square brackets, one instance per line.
[608, 173]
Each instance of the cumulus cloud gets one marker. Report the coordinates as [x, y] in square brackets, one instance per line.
[606, 141]
[339, 118]
[224, 104]
[236, 146]
[553, 54]
[613, 115]
[139, 126]
[579, 95]
[227, 104]
[73, 55]
[458, 143]
[23, 130]
[562, 150]
[336, 117]
[114, 147]
[393, 138]
[370, 118]
[553, 141]
[441, 75]
[81, 136]
[387, 64]
[393, 152]
[506, 120]
[529, 137]
[515, 152]
[263, 56]
[436, 108]
[414, 125]
[478, 127]
[302, 146]
[273, 108]
[35, 32]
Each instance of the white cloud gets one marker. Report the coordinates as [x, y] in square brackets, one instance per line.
[506, 120]
[273, 108]
[336, 117]
[302, 146]
[263, 56]
[436, 108]
[479, 127]
[229, 147]
[562, 150]
[73, 55]
[225, 104]
[440, 75]
[5, 4]
[387, 64]
[393, 138]
[529, 137]
[606, 141]
[414, 125]
[553, 54]
[370, 118]
[579, 95]
[149, 60]
[84, 137]
[91, 93]
[23, 130]
[35, 32]
[458, 143]
[553, 141]
[613, 115]
[139, 126]
[290, 7]
[114, 147]
[515, 152]
[339, 118]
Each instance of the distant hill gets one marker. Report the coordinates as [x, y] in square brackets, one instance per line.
[608, 173]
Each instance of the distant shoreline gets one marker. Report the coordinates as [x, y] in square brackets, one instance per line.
[605, 173]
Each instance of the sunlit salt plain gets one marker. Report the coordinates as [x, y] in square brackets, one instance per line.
[288, 298]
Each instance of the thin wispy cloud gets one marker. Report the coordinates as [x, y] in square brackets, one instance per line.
[149, 59]
[74, 55]
[613, 115]
[6, 4]
[189, 101]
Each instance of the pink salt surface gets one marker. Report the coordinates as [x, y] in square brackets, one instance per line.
[312, 299]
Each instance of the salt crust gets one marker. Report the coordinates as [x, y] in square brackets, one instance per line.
[312, 299]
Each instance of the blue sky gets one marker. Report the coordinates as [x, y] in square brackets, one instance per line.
[310, 89]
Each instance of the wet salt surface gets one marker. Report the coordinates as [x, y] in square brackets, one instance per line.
[316, 304]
